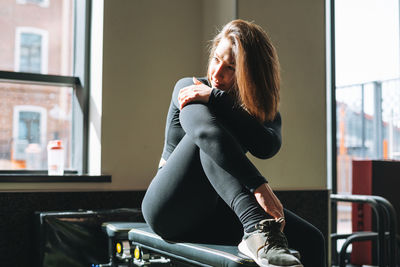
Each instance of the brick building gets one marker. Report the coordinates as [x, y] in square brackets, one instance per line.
[34, 39]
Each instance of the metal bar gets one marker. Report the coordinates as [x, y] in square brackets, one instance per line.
[379, 218]
[363, 148]
[351, 239]
[333, 145]
[384, 206]
[86, 96]
[35, 78]
[378, 136]
[392, 219]
[336, 236]
[32, 172]
[370, 82]
[29, 178]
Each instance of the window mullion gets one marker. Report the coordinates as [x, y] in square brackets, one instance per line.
[34, 78]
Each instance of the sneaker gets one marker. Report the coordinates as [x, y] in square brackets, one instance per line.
[268, 246]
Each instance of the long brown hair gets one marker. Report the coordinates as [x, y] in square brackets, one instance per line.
[257, 68]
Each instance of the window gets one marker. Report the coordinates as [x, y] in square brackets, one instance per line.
[41, 3]
[367, 91]
[30, 59]
[31, 50]
[29, 126]
[43, 83]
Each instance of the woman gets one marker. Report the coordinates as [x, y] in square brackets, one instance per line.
[206, 189]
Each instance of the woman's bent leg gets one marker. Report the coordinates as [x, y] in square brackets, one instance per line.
[219, 143]
[236, 196]
[305, 238]
[180, 195]
[224, 163]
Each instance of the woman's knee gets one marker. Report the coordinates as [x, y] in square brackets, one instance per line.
[147, 210]
[154, 216]
[200, 124]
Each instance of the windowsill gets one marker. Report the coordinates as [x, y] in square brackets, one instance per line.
[45, 178]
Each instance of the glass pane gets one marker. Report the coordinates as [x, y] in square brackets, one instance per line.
[391, 118]
[35, 1]
[31, 116]
[30, 53]
[37, 38]
[368, 89]
[29, 126]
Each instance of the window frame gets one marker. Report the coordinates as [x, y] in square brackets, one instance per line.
[331, 108]
[80, 85]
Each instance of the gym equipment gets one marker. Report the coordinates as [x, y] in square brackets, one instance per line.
[74, 238]
[135, 244]
[384, 236]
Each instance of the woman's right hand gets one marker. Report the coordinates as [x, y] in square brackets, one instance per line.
[267, 199]
[197, 92]
[162, 163]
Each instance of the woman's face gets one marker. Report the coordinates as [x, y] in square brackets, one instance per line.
[221, 70]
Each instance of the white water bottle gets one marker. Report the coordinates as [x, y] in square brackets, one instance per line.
[55, 157]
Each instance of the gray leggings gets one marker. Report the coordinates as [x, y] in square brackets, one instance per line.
[199, 195]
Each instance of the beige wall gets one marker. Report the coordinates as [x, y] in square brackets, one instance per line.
[297, 29]
[215, 15]
[148, 45]
[131, 150]
[141, 65]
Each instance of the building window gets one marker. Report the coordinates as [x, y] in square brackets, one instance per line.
[43, 83]
[41, 3]
[29, 128]
[31, 50]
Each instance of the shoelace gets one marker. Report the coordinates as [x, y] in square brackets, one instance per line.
[274, 237]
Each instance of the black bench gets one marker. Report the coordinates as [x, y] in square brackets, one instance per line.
[145, 248]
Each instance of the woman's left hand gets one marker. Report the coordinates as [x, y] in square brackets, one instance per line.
[267, 199]
[197, 92]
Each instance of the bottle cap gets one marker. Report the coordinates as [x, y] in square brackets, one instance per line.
[55, 144]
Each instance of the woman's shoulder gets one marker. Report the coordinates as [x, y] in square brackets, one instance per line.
[186, 81]
[181, 83]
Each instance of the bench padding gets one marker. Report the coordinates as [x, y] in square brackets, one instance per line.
[120, 229]
[198, 254]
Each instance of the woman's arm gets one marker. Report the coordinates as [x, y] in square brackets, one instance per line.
[173, 130]
[267, 199]
[261, 140]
